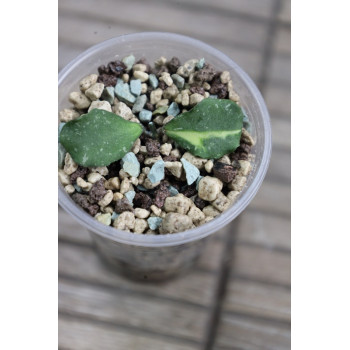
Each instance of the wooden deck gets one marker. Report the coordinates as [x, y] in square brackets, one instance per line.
[238, 297]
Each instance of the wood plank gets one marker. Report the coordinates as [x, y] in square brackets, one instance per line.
[88, 33]
[239, 332]
[252, 9]
[280, 165]
[272, 198]
[86, 335]
[268, 231]
[252, 298]
[82, 263]
[280, 70]
[154, 315]
[277, 99]
[282, 43]
[285, 14]
[261, 264]
[208, 25]
[281, 133]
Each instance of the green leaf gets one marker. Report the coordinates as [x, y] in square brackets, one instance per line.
[209, 130]
[99, 138]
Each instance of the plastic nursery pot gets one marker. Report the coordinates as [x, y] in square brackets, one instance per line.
[156, 257]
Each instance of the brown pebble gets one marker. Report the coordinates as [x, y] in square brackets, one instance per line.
[162, 85]
[159, 70]
[189, 191]
[173, 65]
[149, 106]
[107, 80]
[200, 203]
[97, 191]
[140, 157]
[207, 73]
[153, 147]
[80, 172]
[122, 205]
[160, 195]
[241, 152]
[142, 200]
[197, 90]
[224, 172]
[83, 201]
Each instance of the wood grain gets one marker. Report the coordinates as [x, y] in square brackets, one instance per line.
[269, 231]
[256, 263]
[253, 298]
[156, 315]
[138, 13]
[87, 335]
[242, 332]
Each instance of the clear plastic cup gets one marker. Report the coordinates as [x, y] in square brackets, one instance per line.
[157, 257]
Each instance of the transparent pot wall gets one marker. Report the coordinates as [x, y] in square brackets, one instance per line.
[160, 256]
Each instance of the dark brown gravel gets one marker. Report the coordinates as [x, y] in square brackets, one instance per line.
[80, 172]
[197, 90]
[152, 147]
[83, 201]
[123, 205]
[241, 153]
[142, 200]
[97, 191]
[200, 203]
[162, 85]
[190, 191]
[160, 194]
[107, 80]
[207, 73]
[149, 105]
[173, 65]
[140, 157]
[224, 172]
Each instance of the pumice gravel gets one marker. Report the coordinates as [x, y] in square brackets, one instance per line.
[155, 149]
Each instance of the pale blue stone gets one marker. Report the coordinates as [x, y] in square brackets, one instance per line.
[108, 94]
[173, 191]
[61, 155]
[191, 171]
[157, 171]
[153, 81]
[130, 164]
[197, 181]
[78, 188]
[123, 93]
[135, 87]
[114, 215]
[173, 109]
[154, 222]
[139, 104]
[213, 96]
[246, 123]
[141, 188]
[129, 61]
[145, 115]
[60, 126]
[130, 195]
[200, 63]
[178, 80]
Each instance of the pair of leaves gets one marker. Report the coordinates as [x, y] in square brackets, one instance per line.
[209, 130]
